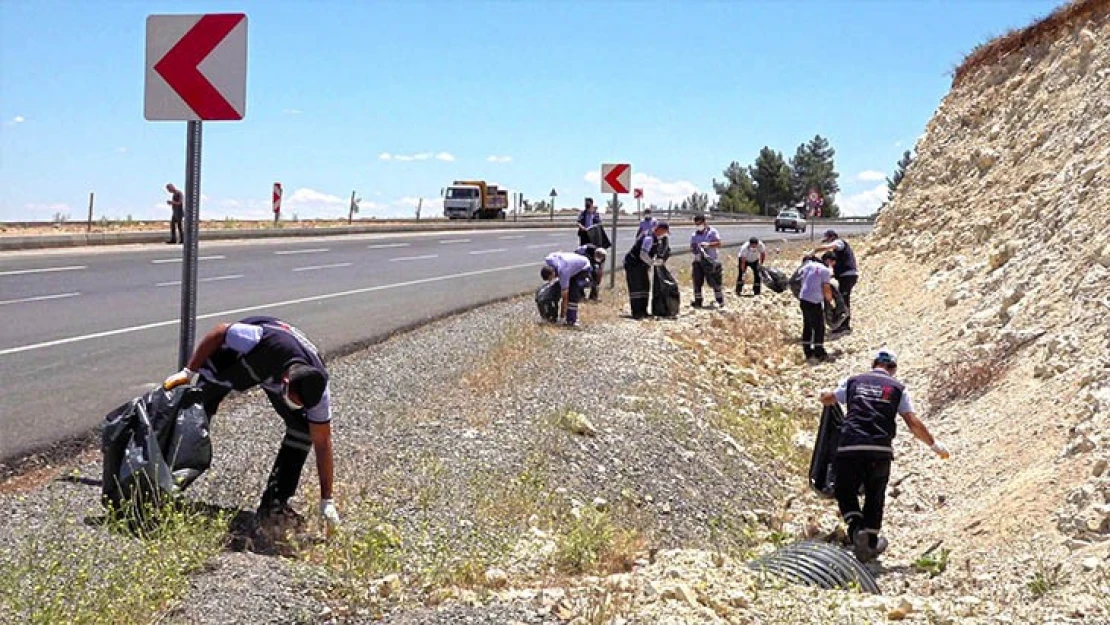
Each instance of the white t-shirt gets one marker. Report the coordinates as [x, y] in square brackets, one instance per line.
[752, 254]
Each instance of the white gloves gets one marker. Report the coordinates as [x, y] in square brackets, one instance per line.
[940, 450]
[185, 376]
[329, 513]
[658, 262]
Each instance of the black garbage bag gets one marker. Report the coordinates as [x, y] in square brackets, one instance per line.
[713, 271]
[838, 316]
[548, 298]
[596, 234]
[775, 279]
[822, 477]
[153, 446]
[665, 298]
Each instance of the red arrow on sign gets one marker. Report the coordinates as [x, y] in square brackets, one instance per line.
[179, 67]
[613, 178]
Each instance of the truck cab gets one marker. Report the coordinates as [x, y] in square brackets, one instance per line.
[474, 199]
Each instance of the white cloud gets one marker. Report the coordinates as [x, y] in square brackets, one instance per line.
[18, 119]
[863, 203]
[419, 156]
[870, 175]
[656, 190]
[499, 159]
[292, 111]
[121, 150]
[311, 198]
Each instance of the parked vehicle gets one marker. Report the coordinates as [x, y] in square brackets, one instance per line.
[475, 199]
[790, 219]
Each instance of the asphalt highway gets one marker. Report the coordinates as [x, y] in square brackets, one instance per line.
[85, 329]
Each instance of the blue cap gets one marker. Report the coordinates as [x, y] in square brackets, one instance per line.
[886, 357]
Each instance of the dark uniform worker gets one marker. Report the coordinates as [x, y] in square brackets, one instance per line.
[597, 256]
[646, 253]
[845, 270]
[573, 273]
[267, 352]
[873, 400]
[587, 219]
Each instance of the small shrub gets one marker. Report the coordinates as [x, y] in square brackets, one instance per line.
[966, 378]
[591, 543]
[932, 562]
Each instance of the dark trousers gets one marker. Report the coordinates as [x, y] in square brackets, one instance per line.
[574, 294]
[872, 473]
[596, 272]
[285, 474]
[757, 281]
[813, 330]
[701, 276]
[639, 288]
[845, 284]
[176, 225]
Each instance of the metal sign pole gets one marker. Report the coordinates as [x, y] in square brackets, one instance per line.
[190, 234]
[613, 243]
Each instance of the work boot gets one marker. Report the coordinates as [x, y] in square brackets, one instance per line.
[696, 303]
[739, 289]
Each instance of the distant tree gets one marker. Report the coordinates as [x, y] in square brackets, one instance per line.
[609, 208]
[771, 177]
[813, 167]
[696, 203]
[737, 192]
[899, 173]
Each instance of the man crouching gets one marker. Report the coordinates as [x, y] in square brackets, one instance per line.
[573, 273]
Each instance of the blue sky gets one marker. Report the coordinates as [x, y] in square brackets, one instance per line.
[531, 95]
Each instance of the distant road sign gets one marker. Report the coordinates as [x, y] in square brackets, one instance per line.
[196, 67]
[616, 178]
[637, 193]
[553, 194]
[277, 197]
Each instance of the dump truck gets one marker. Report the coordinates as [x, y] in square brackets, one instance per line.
[475, 199]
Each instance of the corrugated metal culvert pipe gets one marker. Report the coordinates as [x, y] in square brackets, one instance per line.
[814, 563]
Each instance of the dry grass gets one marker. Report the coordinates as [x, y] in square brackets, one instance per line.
[965, 379]
[1065, 18]
[518, 346]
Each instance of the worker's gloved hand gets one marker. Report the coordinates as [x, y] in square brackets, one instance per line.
[658, 262]
[940, 450]
[185, 376]
[329, 513]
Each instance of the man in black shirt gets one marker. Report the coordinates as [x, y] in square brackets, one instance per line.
[177, 204]
[874, 400]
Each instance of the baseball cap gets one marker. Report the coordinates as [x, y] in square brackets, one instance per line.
[830, 234]
[886, 357]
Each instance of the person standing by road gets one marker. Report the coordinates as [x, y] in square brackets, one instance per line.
[647, 223]
[865, 450]
[644, 254]
[177, 217]
[704, 244]
[845, 270]
[751, 255]
[587, 219]
[814, 290]
[278, 357]
[573, 272]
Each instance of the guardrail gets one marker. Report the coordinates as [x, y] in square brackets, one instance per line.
[213, 232]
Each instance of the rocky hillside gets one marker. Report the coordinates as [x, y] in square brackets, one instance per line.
[994, 265]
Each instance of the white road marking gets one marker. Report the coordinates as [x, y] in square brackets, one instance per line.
[380, 246]
[238, 311]
[37, 299]
[308, 251]
[512, 236]
[235, 276]
[315, 267]
[543, 245]
[558, 234]
[404, 258]
[500, 249]
[448, 241]
[159, 261]
[19, 272]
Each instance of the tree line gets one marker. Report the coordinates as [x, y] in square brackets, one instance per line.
[772, 183]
